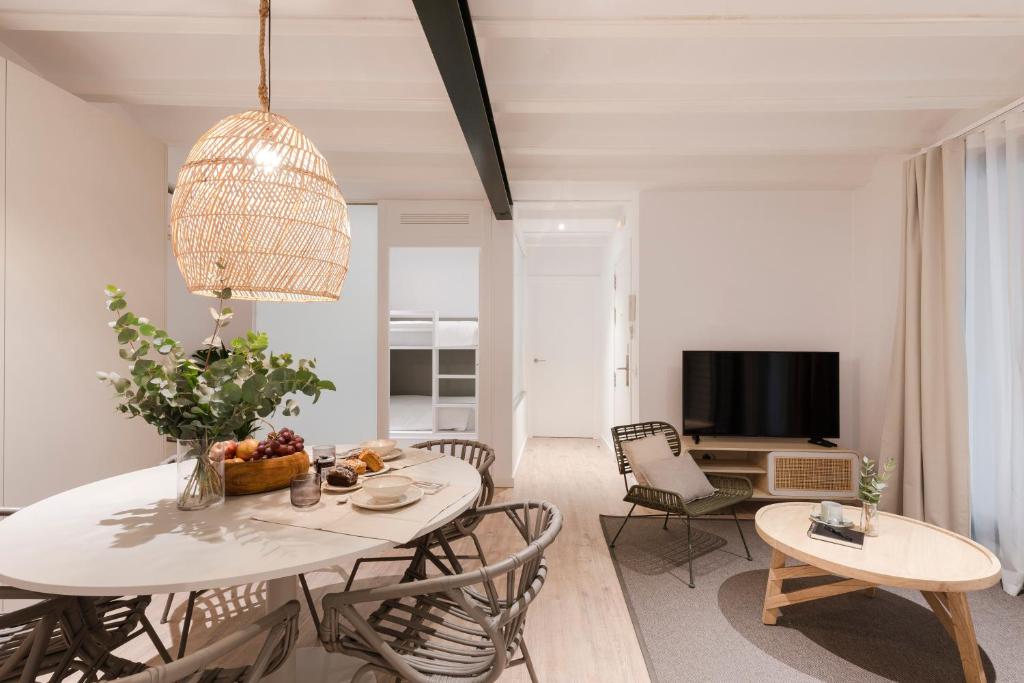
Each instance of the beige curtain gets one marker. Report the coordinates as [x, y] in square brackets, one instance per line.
[926, 414]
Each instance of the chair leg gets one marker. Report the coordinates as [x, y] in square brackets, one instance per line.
[689, 551]
[155, 639]
[616, 537]
[529, 661]
[167, 609]
[352, 574]
[742, 537]
[186, 625]
[664, 524]
[310, 604]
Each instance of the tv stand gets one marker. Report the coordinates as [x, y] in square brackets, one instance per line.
[824, 443]
[818, 474]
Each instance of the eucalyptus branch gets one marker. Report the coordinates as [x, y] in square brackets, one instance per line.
[225, 396]
[872, 482]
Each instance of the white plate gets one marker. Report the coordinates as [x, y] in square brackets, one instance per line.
[353, 452]
[362, 499]
[329, 488]
[386, 468]
[368, 473]
[842, 525]
[392, 455]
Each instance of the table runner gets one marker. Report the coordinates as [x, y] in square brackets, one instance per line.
[398, 526]
[414, 456]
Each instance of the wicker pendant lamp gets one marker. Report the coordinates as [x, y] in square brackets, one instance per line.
[256, 208]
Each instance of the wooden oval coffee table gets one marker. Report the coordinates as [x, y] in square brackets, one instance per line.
[907, 553]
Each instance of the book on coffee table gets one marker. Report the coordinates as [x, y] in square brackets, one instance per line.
[848, 537]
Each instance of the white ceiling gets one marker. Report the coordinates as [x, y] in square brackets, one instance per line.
[593, 99]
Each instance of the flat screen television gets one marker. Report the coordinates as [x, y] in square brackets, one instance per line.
[792, 394]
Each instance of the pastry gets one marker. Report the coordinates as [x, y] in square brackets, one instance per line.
[354, 464]
[341, 476]
[372, 460]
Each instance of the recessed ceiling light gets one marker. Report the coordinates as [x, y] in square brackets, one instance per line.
[561, 226]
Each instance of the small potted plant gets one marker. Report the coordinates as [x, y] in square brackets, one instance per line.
[200, 401]
[872, 485]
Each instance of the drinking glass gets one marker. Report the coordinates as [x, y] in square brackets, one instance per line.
[324, 458]
[305, 490]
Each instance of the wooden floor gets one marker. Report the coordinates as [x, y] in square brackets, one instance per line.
[579, 628]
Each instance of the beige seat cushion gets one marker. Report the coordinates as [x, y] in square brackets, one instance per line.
[656, 466]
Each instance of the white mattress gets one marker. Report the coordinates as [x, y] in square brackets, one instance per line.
[455, 419]
[411, 333]
[410, 413]
[458, 333]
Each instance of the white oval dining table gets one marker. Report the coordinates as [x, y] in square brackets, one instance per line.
[125, 536]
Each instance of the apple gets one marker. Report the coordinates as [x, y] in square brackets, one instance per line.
[246, 449]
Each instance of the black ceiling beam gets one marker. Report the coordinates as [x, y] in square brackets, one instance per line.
[449, 30]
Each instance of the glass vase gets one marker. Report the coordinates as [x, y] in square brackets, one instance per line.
[869, 519]
[200, 475]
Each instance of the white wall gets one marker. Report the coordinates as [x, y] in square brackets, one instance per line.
[432, 278]
[84, 206]
[188, 314]
[877, 218]
[520, 427]
[506, 422]
[565, 259]
[342, 336]
[747, 271]
[618, 245]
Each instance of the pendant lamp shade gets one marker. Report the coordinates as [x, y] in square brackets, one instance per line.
[256, 197]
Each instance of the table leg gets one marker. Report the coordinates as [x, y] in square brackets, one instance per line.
[774, 587]
[280, 591]
[966, 641]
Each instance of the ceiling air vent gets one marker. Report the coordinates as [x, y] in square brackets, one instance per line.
[433, 218]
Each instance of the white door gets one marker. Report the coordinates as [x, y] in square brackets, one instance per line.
[622, 342]
[561, 355]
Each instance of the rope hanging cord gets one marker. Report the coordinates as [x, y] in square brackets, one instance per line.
[264, 88]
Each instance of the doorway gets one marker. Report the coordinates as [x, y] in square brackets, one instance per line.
[433, 342]
[578, 318]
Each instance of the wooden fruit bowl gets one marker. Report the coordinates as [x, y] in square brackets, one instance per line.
[259, 476]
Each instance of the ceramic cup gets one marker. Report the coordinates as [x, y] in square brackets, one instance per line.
[831, 512]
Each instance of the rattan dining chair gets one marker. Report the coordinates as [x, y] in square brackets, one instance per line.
[31, 641]
[480, 456]
[730, 490]
[123, 618]
[463, 625]
[97, 662]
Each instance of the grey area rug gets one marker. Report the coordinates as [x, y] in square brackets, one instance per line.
[714, 632]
